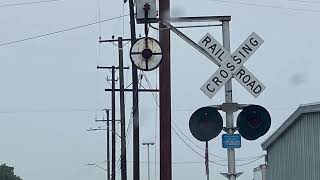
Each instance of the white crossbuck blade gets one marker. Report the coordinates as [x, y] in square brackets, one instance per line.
[231, 65]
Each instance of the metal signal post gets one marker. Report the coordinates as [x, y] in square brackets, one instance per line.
[228, 99]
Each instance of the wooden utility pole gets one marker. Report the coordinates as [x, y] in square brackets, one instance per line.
[107, 140]
[113, 125]
[121, 89]
[165, 95]
[108, 145]
[122, 114]
[113, 120]
[135, 103]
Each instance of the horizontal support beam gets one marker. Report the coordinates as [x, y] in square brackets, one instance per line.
[104, 120]
[201, 19]
[103, 67]
[130, 90]
[113, 40]
[195, 19]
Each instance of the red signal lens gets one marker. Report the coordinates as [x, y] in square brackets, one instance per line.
[254, 122]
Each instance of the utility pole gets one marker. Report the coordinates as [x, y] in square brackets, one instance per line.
[122, 114]
[148, 144]
[108, 146]
[122, 104]
[135, 108]
[135, 103]
[107, 141]
[165, 95]
[113, 124]
[135, 90]
[228, 99]
[113, 120]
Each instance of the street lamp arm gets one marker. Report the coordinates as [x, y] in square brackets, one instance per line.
[103, 129]
[98, 166]
[115, 133]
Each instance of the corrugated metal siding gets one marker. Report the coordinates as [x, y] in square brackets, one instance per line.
[296, 154]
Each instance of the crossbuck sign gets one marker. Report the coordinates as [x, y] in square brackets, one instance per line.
[231, 65]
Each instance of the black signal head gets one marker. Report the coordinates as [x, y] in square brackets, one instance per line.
[253, 122]
[205, 123]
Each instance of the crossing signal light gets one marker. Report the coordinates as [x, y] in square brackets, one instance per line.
[205, 123]
[253, 122]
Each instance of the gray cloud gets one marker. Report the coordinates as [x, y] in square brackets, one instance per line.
[297, 79]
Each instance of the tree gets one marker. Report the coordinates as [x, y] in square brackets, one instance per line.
[7, 173]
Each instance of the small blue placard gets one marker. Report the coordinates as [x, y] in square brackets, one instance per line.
[231, 141]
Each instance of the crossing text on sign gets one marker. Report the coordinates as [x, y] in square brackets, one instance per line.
[249, 81]
[231, 64]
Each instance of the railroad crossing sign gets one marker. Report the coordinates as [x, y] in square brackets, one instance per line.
[231, 65]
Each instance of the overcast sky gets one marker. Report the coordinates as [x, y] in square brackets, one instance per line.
[51, 91]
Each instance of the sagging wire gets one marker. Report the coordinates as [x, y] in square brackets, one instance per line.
[128, 132]
[188, 145]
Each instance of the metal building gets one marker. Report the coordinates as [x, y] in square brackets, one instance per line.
[293, 151]
[260, 173]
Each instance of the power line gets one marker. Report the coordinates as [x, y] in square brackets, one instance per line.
[196, 152]
[176, 126]
[28, 3]
[213, 162]
[60, 31]
[266, 6]
[303, 1]
[244, 164]
[186, 162]
[58, 110]
[51, 110]
[188, 145]
[271, 108]
[128, 131]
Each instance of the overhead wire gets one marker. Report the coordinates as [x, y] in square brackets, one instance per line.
[266, 6]
[118, 165]
[181, 137]
[154, 95]
[304, 1]
[156, 128]
[60, 31]
[176, 126]
[191, 141]
[99, 18]
[244, 164]
[184, 162]
[99, 46]
[128, 131]
[49, 110]
[57, 110]
[123, 19]
[196, 152]
[213, 162]
[28, 3]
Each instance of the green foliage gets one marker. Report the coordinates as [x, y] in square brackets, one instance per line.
[7, 173]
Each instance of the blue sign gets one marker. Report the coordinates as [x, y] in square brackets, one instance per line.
[231, 141]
